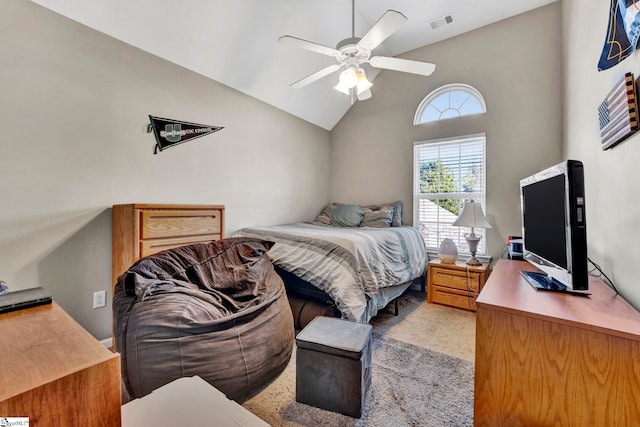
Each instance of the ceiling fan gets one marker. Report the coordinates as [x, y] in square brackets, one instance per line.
[352, 52]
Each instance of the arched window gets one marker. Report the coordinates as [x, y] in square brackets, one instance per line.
[449, 101]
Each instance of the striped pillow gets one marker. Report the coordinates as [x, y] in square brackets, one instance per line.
[379, 218]
[396, 221]
[324, 217]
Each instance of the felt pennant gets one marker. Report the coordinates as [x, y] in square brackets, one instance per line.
[170, 132]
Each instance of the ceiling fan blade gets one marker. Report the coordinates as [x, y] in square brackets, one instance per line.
[405, 65]
[382, 29]
[315, 76]
[304, 44]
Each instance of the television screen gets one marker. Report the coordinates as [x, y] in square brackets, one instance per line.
[543, 208]
[554, 227]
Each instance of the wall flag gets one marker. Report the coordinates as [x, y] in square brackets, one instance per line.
[618, 113]
[170, 132]
[623, 33]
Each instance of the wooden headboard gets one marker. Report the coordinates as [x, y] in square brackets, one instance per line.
[139, 230]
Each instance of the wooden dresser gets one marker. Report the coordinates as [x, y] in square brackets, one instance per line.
[54, 372]
[550, 359]
[139, 230]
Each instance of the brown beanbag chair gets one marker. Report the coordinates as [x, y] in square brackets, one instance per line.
[216, 310]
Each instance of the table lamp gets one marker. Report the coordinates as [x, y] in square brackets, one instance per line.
[472, 216]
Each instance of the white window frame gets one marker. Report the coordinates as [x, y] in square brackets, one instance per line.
[453, 87]
[478, 196]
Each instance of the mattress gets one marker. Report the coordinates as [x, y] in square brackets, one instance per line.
[360, 268]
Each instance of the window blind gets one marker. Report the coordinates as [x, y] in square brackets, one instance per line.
[446, 172]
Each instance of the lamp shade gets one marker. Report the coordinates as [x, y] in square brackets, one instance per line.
[362, 84]
[348, 79]
[363, 96]
[472, 216]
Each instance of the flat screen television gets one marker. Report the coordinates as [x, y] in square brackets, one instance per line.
[554, 230]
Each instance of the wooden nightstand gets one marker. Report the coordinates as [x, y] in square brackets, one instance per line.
[456, 285]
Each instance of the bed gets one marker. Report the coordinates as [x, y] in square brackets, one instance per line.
[361, 269]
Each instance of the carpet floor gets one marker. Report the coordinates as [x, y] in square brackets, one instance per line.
[412, 385]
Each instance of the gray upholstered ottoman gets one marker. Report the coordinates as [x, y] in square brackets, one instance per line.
[333, 365]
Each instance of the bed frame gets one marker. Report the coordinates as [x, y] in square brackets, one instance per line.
[300, 288]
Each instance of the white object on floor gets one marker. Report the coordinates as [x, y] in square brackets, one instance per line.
[188, 401]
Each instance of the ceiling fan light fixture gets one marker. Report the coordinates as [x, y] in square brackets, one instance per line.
[354, 80]
[342, 88]
[347, 80]
[364, 95]
[363, 84]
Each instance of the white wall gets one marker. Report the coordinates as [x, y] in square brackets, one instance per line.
[515, 64]
[612, 177]
[74, 105]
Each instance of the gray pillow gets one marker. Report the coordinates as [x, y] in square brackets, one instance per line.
[347, 216]
[380, 218]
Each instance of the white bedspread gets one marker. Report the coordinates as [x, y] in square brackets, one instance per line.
[349, 264]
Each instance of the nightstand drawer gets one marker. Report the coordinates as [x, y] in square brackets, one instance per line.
[456, 279]
[447, 296]
[455, 285]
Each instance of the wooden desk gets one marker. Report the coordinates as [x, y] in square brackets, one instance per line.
[54, 372]
[546, 359]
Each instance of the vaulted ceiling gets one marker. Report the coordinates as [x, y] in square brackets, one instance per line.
[234, 42]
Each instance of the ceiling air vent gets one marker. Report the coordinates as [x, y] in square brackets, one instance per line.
[441, 22]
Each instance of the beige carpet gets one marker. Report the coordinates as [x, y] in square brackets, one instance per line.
[423, 374]
[444, 329]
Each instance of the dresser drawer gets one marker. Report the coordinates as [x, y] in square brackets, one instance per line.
[165, 224]
[150, 247]
[456, 279]
[447, 296]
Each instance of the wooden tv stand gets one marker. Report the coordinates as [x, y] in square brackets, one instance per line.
[544, 358]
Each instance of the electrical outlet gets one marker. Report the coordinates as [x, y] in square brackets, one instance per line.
[99, 299]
